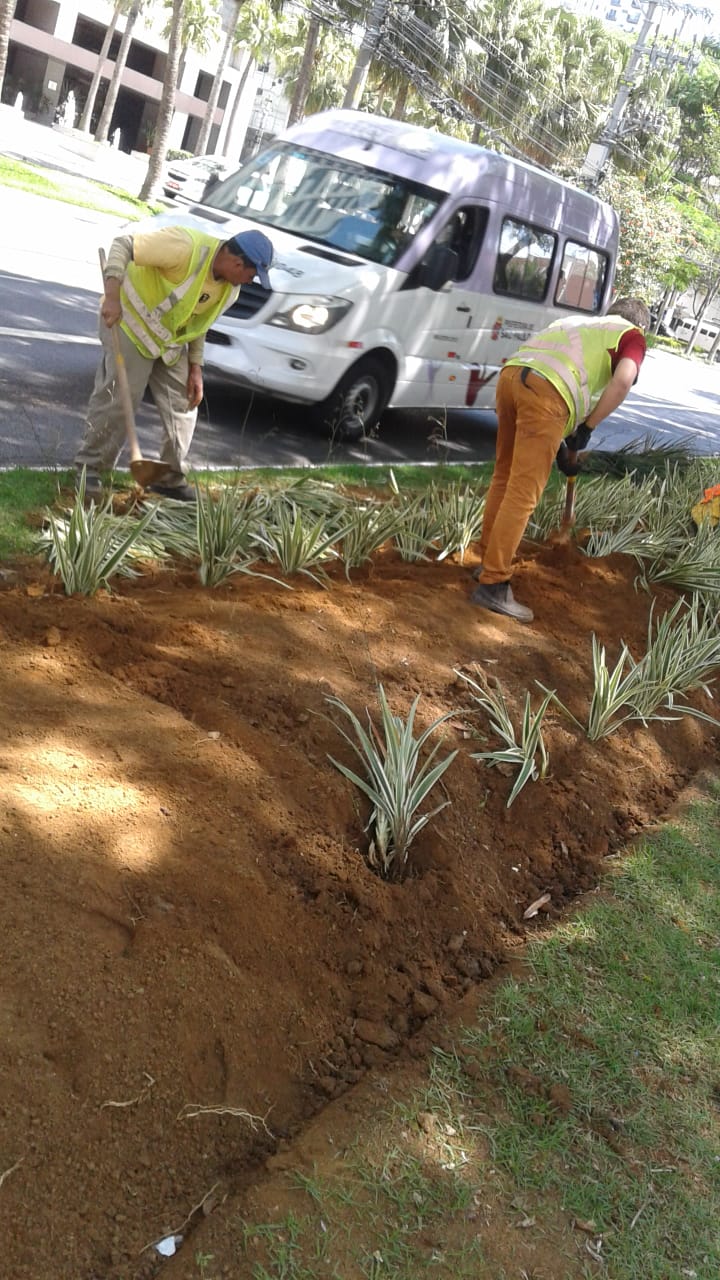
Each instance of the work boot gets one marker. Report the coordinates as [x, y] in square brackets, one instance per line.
[498, 597]
[179, 492]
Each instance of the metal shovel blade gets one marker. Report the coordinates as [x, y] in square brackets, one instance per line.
[145, 472]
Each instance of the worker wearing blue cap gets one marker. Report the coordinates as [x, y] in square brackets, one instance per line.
[164, 289]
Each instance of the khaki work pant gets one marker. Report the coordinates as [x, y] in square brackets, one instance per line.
[532, 421]
[105, 431]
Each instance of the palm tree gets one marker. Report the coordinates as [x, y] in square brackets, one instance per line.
[307, 67]
[166, 109]
[315, 52]
[101, 133]
[202, 139]
[423, 48]
[260, 27]
[246, 63]
[587, 62]
[201, 25]
[86, 117]
[367, 51]
[7, 9]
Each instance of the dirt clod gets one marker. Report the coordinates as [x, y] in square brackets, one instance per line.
[377, 1033]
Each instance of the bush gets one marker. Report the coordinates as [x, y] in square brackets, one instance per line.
[669, 344]
[178, 155]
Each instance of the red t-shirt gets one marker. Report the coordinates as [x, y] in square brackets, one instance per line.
[631, 345]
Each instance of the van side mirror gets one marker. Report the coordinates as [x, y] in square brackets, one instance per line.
[439, 265]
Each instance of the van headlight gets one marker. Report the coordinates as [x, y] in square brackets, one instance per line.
[312, 315]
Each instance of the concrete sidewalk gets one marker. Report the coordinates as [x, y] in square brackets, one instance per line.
[71, 152]
[48, 240]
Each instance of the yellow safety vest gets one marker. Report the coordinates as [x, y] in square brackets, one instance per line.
[158, 315]
[574, 355]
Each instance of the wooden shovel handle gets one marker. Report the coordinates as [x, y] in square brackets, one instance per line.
[122, 380]
[569, 513]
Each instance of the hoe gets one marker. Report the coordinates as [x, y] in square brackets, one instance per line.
[144, 472]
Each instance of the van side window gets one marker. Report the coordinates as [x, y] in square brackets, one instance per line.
[582, 277]
[524, 261]
[464, 233]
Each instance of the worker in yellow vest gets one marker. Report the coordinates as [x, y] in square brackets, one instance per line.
[550, 397]
[164, 288]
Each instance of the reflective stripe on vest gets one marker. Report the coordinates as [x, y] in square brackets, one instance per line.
[580, 392]
[575, 358]
[154, 335]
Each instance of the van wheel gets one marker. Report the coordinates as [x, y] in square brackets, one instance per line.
[358, 401]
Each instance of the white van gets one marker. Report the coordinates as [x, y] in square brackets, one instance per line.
[684, 330]
[408, 267]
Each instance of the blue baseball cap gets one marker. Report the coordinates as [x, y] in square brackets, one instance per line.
[256, 247]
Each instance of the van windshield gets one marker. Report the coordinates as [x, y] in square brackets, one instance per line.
[331, 201]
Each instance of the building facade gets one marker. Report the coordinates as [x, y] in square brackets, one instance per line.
[673, 21]
[53, 53]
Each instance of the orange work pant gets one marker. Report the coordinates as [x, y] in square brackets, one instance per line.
[532, 421]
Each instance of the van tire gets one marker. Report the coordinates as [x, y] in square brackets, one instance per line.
[358, 401]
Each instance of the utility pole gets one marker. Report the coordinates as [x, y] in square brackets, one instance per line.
[595, 163]
[366, 53]
[598, 153]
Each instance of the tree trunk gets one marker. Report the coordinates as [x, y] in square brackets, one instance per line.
[401, 101]
[304, 80]
[236, 103]
[666, 303]
[166, 109]
[86, 116]
[7, 9]
[103, 128]
[201, 145]
[712, 290]
[366, 53]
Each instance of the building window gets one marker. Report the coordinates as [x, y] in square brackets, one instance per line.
[42, 14]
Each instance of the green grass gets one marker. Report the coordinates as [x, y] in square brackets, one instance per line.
[622, 1011]
[408, 475]
[24, 493]
[84, 192]
[618, 1017]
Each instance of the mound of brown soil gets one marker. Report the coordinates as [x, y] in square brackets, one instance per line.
[187, 917]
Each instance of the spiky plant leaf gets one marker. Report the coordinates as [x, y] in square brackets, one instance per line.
[458, 511]
[525, 750]
[394, 779]
[418, 528]
[297, 543]
[646, 455]
[90, 546]
[367, 527]
[225, 529]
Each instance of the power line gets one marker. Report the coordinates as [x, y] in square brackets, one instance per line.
[442, 99]
[445, 101]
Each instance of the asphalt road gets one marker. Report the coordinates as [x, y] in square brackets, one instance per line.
[48, 354]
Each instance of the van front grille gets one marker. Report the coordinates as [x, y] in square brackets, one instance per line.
[252, 298]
